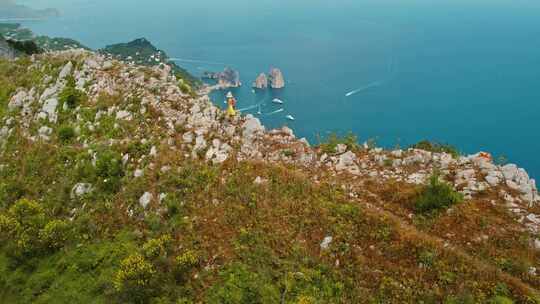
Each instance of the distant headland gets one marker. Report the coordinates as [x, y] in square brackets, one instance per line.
[10, 11]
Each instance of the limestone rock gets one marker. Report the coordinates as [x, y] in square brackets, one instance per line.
[347, 162]
[49, 93]
[259, 180]
[417, 178]
[229, 78]
[44, 132]
[124, 115]
[138, 173]
[145, 199]
[18, 100]
[261, 82]
[325, 244]
[187, 137]
[341, 148]
[80, 189]
[66, 70]
[218, 152]
[200, 143]
[252, 127]
[49, 108]
[277, 81]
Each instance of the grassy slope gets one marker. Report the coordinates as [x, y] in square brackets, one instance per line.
[254, 243]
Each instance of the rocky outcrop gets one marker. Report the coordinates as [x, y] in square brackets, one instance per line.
[80, 189]
[145, 199]
[229, 78]
[261, 82]
[277, 81]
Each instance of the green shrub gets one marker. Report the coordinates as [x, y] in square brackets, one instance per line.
[21, 225]
[71, 96]
[7, 225]
[436, 147]
[500, 300]
[66, 134]
[288, 153]
[465, 298]
[109, 170]
[135, 279]
[156, 247]
[426, 258]
[55, 234]
[27, 47]
[29, 214]
[186, 260]
[515, 266]
[436, 196]
[29, 231]
[239, 285]
[184, 88]
[313, 285]
[330, 144]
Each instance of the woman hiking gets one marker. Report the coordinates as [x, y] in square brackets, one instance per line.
[231, 105]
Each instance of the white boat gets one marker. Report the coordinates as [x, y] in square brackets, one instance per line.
[290, 117]
[278, 101]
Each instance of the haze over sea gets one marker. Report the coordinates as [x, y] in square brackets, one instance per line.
[464, 72]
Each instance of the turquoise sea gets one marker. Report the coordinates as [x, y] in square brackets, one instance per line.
[464, 72]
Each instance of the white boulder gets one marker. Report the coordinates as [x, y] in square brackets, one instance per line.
[80, 190]
[66, 70]
[325, 244]
[145, 199]
[49, 108]
[347, 162]
[124, 115]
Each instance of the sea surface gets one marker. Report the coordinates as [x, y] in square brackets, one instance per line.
[464, 72]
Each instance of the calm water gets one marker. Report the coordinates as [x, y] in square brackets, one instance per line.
[456, 71]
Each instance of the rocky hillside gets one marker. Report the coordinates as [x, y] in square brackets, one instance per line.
[119, 186]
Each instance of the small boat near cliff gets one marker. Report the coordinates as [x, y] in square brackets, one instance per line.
[290, 117]
[277, 101]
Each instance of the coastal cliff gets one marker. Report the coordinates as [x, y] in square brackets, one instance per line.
[119, 186]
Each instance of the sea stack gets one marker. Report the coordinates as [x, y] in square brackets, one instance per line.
[277, 80]
[229, 78]
[261, 82]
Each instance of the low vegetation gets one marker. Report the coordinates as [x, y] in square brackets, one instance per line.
[330, 143]
[210, 234]
[436, 196]
[437, 147]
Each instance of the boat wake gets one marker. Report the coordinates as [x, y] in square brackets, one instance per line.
[197, 61]
[391, 75]
[250, 107]
[275, 112]
[367, 87]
